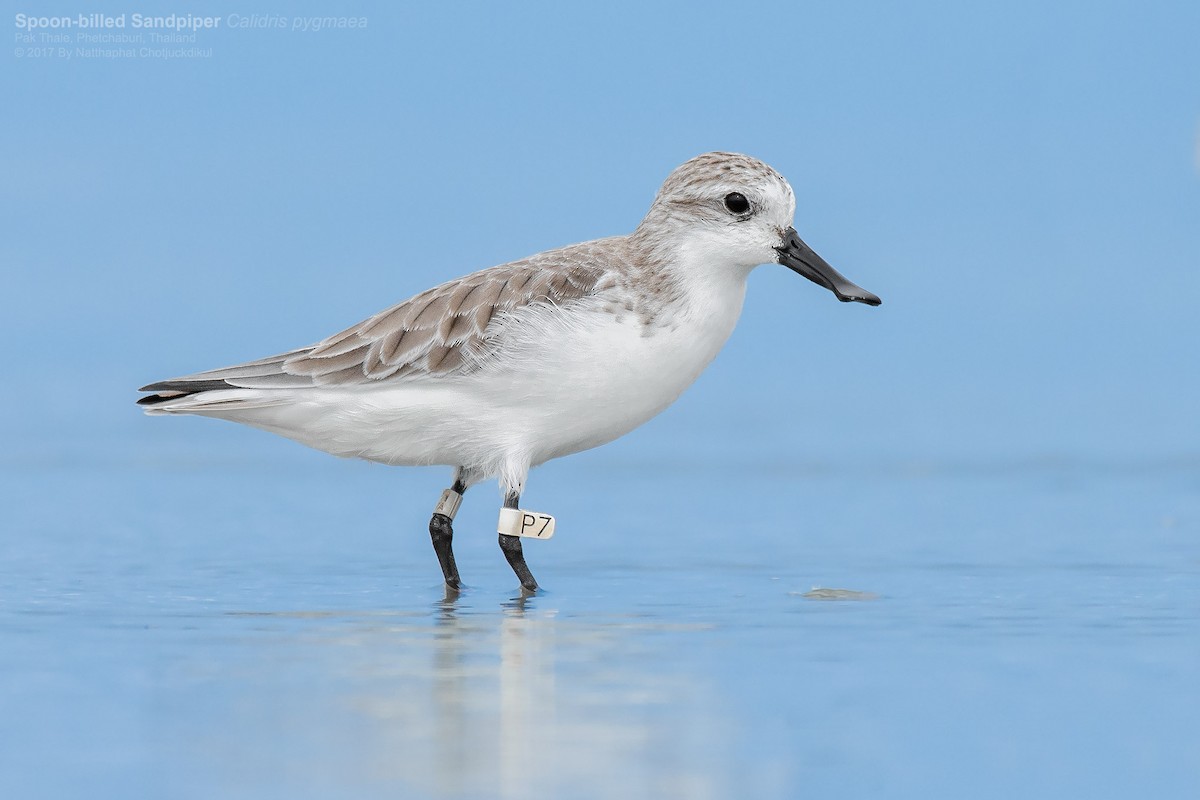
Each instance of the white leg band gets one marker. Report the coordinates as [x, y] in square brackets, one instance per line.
[530, 524]
[449, 504]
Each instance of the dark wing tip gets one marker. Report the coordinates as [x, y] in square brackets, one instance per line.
[173, 390]
[153, 399]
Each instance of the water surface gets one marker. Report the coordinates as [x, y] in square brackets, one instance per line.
[212, 624]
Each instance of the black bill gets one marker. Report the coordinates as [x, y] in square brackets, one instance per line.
[796, 255]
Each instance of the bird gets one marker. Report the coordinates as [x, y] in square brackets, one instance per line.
[504, 369]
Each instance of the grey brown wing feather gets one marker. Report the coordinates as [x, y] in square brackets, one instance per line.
[442, 331]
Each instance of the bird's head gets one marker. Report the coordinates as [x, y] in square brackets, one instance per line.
[734, 211]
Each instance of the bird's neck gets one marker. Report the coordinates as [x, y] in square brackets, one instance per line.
[689, 281]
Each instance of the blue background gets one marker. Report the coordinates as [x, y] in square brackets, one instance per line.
[1006, 450]
[1018, 183]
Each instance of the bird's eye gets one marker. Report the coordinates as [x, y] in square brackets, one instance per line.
[737, 203]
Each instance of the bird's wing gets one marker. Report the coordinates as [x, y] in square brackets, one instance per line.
[444, 331]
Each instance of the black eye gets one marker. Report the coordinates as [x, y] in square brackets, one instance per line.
[737, 203]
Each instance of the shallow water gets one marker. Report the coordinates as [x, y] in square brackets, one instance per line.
[179, 622]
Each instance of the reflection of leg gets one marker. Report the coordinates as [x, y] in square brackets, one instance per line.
[441, 530]
[511, 545]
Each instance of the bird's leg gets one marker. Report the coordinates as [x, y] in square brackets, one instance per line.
[441, 530]
[511, 545]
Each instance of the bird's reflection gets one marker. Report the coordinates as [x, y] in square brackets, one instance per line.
[450, 720]
[510, 700]
[525, 696]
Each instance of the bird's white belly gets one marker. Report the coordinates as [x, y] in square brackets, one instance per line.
[566, 381]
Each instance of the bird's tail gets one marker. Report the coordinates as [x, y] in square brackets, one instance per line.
[215, 400]
[244, 386]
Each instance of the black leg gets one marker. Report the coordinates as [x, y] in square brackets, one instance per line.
[441, 532]
[511, 545]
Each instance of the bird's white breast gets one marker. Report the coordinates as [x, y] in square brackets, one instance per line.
[599, 374]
